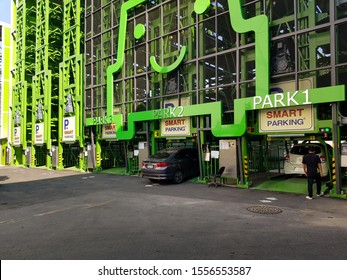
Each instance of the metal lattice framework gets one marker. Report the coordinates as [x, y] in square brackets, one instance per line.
[25, 61]
[71, 79]
[45, 82]
[49, 67]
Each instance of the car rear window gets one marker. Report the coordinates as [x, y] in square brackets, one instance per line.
[163, 154]
[303, 150]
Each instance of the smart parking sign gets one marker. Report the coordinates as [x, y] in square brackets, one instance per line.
[39, 134]
[16, 136]
[69, 129]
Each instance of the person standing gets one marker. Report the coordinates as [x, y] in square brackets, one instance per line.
[312, 164]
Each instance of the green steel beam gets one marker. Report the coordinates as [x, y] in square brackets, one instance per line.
[21, 113]
[258, 24]
[5, 87]
[71, 74]
[45, 94]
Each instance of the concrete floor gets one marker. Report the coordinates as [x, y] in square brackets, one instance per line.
[67, 215]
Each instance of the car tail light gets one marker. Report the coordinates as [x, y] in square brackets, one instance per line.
[162, 164]
[287, 158]
[143, 164]
[322, 159]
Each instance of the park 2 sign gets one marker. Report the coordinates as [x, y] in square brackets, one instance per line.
[172, 120]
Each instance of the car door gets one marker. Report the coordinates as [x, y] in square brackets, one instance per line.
[184, 162]
[194, 162]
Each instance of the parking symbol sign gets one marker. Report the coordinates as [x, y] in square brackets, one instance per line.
[69, 129]
[16, 136]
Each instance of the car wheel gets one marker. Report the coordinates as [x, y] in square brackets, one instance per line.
[178, 177]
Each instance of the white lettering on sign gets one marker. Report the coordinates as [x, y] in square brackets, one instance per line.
[102, 120]
[280, 100]
[170, 112]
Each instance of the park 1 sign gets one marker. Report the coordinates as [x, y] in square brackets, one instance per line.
[281, 100]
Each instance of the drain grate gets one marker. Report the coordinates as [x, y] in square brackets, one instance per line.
[264, 209]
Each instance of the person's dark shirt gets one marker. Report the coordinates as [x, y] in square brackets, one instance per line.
[311, 161]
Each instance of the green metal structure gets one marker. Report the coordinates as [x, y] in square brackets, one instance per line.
[70, 153]
[22, 90]
[45, 96]
[245, 18]
[5, 91]
[95, 80]
[48, 84]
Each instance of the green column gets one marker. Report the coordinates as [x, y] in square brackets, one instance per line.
[24, 70]
[71, 74]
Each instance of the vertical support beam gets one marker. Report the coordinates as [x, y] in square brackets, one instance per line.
[24, 69]
[6, 84]
[336, 150]
[60, 117]
[45, 95]
[71, 76]
[334, 110]
[35, 90]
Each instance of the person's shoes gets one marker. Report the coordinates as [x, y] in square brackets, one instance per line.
[308, 197]
[320, 194]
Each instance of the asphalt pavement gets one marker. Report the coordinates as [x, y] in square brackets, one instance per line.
[53, 215]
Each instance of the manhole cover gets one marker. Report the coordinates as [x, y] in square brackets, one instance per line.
[264, 209]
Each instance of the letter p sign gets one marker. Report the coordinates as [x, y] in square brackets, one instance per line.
[37, 128]
[66, 124]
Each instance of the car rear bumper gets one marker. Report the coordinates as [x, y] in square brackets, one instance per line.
[293, 168]
[156, 175]
[297, 169]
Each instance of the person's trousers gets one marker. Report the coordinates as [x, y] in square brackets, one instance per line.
[310, 181]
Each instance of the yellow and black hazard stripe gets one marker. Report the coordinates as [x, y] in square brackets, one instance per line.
[333, 171]
[98, 159]
[245, 166]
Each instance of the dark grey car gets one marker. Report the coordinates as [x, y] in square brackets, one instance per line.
[174, 164]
